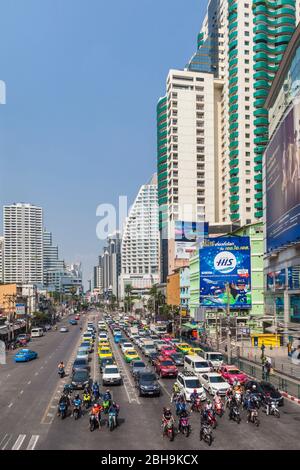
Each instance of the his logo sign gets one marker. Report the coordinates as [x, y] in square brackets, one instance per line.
[225, 262]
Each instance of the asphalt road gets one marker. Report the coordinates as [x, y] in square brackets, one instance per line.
[33, 413]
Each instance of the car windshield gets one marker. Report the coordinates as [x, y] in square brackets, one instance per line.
[216, 357]
[147, 378]
[131, 353]
[192, 383]
[167, 363]
[216, 379]
[80, 375]
[139, 364]
[148, 346]
[233, 371]
[82, 353]
[111, 370]
[80, 362]
[201, 364]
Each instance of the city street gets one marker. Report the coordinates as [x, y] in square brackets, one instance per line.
[30, 393]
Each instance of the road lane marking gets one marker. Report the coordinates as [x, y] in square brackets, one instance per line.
[28, 383]
[21, 392]
[10, 405]
[36, 373]
[3, 439]
[19, 442]
[9, 438]
[32, 442]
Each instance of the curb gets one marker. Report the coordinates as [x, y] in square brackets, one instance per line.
[291, 398]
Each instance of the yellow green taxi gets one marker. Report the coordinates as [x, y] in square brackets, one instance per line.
[131, 355]
[184, 348]
[103, 344]
[104, 352]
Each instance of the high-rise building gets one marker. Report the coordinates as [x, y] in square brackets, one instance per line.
[188, 120]
[50, 258]
[1, 259]
[109, 268]
[23, 243]
[140, 242]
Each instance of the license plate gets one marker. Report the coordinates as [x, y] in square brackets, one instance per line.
[150, 393]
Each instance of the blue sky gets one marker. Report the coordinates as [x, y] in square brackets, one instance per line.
[83, 78]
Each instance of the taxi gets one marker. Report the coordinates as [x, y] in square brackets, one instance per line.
[104, 352]
[131, 355]
[103, 344]
[184, 348]
[195, 351]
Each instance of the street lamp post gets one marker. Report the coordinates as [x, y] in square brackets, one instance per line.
[228, 323]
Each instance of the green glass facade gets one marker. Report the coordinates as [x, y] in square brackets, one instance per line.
[162, 159]
[274, 24]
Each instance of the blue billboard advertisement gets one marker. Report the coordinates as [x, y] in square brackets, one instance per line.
[225, 260]
[282, 180]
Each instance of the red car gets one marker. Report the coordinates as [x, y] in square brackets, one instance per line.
[168, 350]
[167, 339]
[231, 373]
[77, 317]
[165, 367]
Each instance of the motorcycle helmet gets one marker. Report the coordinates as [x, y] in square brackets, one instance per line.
[195, 391]
[77, 396]
[253, 387]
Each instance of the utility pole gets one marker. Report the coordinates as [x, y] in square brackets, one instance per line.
[228, 323]
[180, 322]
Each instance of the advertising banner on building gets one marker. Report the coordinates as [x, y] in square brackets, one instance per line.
[188, 236]
[282, 159]
[20, 310]
[225, 260]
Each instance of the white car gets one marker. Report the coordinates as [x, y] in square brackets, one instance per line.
[188, 382]
[64, 329]
[213, 382]
[111, 375]
[103, 336]
[125, 346]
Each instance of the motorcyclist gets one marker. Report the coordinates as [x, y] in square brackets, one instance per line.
[95, 389]
[251, 406]
[194, 396]
[167, 417]
[267, 403]
[96, 411]
[232, 404]
[77, 402]
[176, 391]
[107, 396]
[86, 397]
[229, 396]
[114, 409]
[217, 400]
[63, 399]
[180, 405]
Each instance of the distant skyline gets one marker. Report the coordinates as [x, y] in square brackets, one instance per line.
[79, 125]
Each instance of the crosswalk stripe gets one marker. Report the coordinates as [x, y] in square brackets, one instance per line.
[6, 443]
[32, 442]
[19, 442]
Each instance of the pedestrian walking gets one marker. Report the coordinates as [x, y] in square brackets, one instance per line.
[267, 367]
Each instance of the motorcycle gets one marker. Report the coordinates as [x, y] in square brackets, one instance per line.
[234, 414]
[93, 423]
[238, 398]
[61, 372]
[184, 426]
[273, 409]
[112, 420]
[206, 434]
[254, 417]
[196, 405]
[68, 389]
[77, 409]
[62, 410]
[175, 397]
[168, 429]
[211, 419]
[218, 408]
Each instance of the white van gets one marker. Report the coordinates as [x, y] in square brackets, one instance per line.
[215, 357]
[197, 364]
[37, 332]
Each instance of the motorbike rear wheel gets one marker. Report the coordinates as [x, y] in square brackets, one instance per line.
[209, 439]
[277, 414]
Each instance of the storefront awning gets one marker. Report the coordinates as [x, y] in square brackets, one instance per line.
[190, 326]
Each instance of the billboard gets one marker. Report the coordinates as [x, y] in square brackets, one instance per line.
[188, 236]
[282, 181]
[20, 310]
[225, 260]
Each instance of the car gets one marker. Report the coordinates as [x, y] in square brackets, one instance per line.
[80, 363]
[87, 345]
[137, 367]
[195, 351]
[105, 361]
[147, 384]
[213, 382]
[25, 355]
[165, 367]
[73, 322]
[152, 357]
[259, 391]
[183, 348]
[82, 354]
[47, 327]
[159, 344]
[168, 350]
[64, 329]
[177, 358]
[131, 355]
[187, 382]
[231, 374]
[104, 352]
[123, 340]
[103, 344]
[125, 346]
[167, 339]
[111, 375]
[102, 337]
[77, 317]
[272, 392]
[81, 379]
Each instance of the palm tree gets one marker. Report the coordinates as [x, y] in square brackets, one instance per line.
[128, 291]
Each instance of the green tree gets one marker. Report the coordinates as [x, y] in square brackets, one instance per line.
[128, 298]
